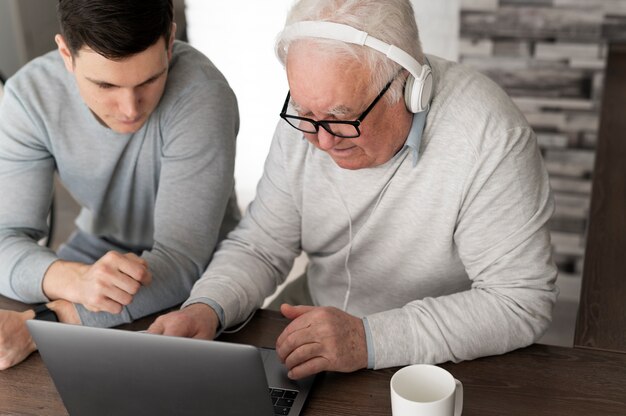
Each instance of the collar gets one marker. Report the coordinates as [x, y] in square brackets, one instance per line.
[414, 138]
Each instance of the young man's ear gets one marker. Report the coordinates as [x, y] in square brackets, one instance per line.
[68, 59]
[170, 46]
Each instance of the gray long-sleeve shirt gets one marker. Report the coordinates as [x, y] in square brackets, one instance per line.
[165, 190]
[449, 259]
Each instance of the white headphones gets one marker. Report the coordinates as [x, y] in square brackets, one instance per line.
[419, 84]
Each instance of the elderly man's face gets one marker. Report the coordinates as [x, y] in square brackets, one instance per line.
[325, 88]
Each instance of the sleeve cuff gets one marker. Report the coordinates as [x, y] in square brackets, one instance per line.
[102, 319]
[370, 344]
[28, 282]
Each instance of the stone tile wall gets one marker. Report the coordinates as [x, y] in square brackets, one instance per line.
[550, 56]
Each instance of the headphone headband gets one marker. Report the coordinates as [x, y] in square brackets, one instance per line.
[336, 31]
[349, 34]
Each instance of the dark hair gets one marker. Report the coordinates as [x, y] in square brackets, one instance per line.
[115, 29]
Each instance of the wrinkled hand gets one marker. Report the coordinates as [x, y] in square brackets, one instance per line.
[105, 286]
[321, 339]
[195, 321]
[15, 341]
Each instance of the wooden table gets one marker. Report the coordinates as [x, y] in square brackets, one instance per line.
[601, 320]
[538, 380]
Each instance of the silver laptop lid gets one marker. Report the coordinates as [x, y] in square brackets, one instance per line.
[114, 372]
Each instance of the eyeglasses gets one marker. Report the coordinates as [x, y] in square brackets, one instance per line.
[340, 128]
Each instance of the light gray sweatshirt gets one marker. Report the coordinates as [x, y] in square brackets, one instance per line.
[164, 190]
[449, 257]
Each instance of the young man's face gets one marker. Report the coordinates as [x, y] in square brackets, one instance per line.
[121, 93]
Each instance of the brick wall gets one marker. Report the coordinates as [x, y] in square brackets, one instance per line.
[550, 56]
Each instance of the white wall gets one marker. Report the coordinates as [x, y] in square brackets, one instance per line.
[239, 39]
[438, 24]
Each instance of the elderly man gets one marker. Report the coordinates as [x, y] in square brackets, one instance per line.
[415, 187]
[141, 130]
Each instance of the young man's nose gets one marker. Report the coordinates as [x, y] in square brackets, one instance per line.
[129, 105]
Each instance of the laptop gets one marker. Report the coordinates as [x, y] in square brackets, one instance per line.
[100, 371]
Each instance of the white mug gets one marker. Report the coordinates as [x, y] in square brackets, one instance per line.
[425, 390]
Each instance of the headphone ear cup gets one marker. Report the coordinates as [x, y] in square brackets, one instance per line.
[417, 92]
[410, 94]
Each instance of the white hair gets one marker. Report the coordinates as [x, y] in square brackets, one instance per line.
[392, 21]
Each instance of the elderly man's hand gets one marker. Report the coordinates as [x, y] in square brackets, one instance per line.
[321, 339]
[195, 321]
[15, 341]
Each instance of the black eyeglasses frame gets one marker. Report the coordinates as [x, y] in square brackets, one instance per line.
[326, 124]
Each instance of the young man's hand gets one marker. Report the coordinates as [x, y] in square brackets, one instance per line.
[105, 286]
[15, 341]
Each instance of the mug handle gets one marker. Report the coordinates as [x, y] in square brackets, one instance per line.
[458, 398]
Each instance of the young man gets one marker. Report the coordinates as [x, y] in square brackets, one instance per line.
[423, 214]
[141, 130]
